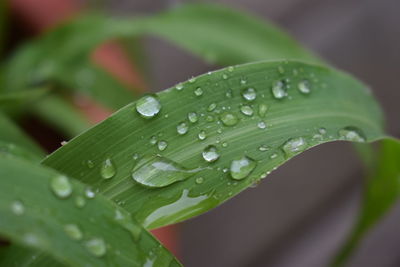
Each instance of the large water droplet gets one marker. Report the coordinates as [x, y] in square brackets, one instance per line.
[162, 145]
[73, 231]
[158, 171]
[198, 91]
[249, 94]
[241, 168]
[210, 153]
[304, 87]
[182, 128]
[246, 110]
[262, 110]
[202, 135]
[351, 133]
[61, 186]
[229, 119]
[192, 116]
[294, 146]
[148, 106]
[107, 170]
[279, 90]
[17, 208]
[96, 246]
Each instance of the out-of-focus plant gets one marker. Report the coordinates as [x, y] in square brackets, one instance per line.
[169, 156]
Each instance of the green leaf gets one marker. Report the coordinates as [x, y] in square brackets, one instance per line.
[242, 127]
[4, 9]
[14, 255]
[43, 210]
[381, 192]
[11, 134]
[17, 101]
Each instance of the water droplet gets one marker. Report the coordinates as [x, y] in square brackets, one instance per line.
[80, 202]
[90, 164]
[249, 94]
[264, 148]
[199, 180]
[153, 140]
[148, 106]
[294, 146]
[192, 80]
[247, 110]
[179, 87]
[107, 170]
[96, 246]
[224, 144]
[281, 70]
[273, 156]
[135, 156]
[211, 107]
[63, 143]
[198, 91]
[61, 186]
[210, 118]
[322, 130]
[192, 116]
[230, 68]
[262, 110]
[304, 87]
[262, 125]
[182, 128]
[162, 145]
[157, 171]
[73, 231]
[228, 119]
[229, 93]
[202, 135]
[210, 153]
[224, 76]
[241, 168]
[243, 81]
[351, 133]
[279, 90]
[17, 208]
[89, 193]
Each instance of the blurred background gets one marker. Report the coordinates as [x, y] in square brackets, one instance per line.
[301, 213]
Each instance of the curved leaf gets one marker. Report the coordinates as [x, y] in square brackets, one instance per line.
[336, 107]
[43, 210]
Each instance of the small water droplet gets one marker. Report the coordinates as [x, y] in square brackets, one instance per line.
[162, 145]
[17, 208]
[96, 246]
[246, 110]
[73, 231]
[89, 193]
[351, 133]
[199, 180]
[224, 76]
[90, 164]
[193, 117]
[294, 146]
[273, 156]
[224, 144]
[281, 70]
[249, 94]
[80, 202]
[198, 91]
[61, 186]
[241, 168]
[210, 153]
[157, 171]
[322, 130]
[202, 135]
[148, 106]
[262, 125]
[153, 140]
[210, 118]
[229, 119]
[243, 81]
[192, 80]
[279, 90]
[264, 148]
[179, 86]
[63, 143]
[211, 107]
[107, 170]
[262, 110]
[304, 87]
[135, 156]
[182, 128]
[229, 93]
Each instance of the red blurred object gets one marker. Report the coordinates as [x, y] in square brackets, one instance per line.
[41, 15]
